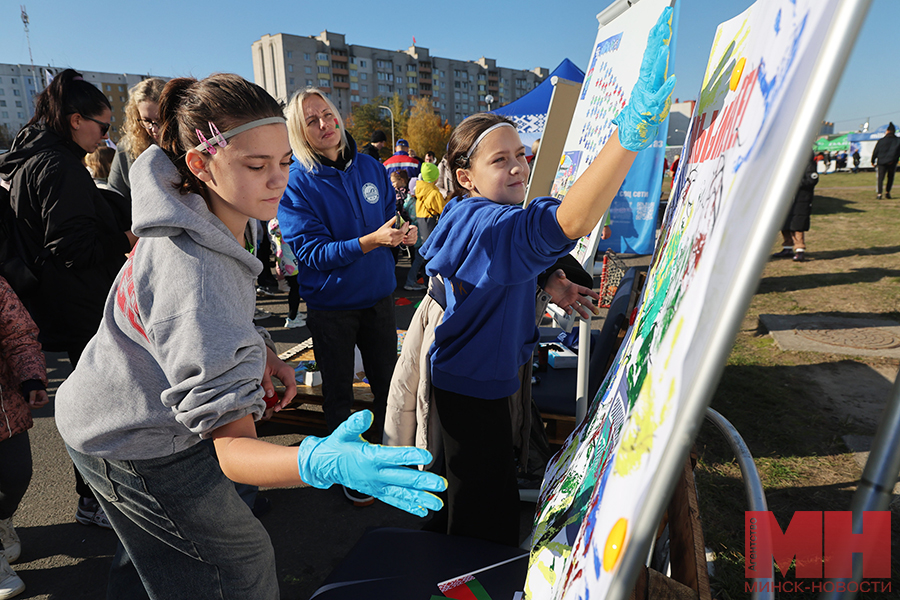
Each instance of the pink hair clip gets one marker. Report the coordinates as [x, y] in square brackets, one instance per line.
[215, 138]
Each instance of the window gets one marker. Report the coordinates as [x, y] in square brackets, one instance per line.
[457, 84]
[306, 56]
[290, 54]
[324, 83]
[399, 79]
[290, 68]
[456, 95]
[108, 88]
[443, 84]
[412, 79]
[399, 68]
[16, 92]
[2, 91]
[291, 80]
[309, 82]
[354, 85]
[384, 89]
[341, 78]
[411, 68]
[30, 82]
[321, 56]
[112, 118]
[5, 114]
[365, 89]
[322, 69]
[122, 99]
[13, 80]
[363, 64]
[308, 70]
[363, 76]
[121, 88]
[108, 97]
[2, 102]
[20, 115]
[354, 98]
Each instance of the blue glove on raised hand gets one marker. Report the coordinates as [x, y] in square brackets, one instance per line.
[649, 103]
[344, 457]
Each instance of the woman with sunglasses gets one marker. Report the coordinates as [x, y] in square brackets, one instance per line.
[67, 229]
[141, 131]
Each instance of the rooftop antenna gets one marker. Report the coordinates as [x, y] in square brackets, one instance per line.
[28, 39]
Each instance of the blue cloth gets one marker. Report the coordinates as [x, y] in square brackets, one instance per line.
[323, 214]
[489, 255]
[402, 160]
[176, 510]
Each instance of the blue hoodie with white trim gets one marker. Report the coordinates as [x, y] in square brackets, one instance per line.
[323, 214]
[489, 255]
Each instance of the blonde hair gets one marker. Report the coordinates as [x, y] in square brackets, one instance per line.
[296, 124]
[99, 162]
[136, 138]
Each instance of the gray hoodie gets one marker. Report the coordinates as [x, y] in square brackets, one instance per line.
[177, 354]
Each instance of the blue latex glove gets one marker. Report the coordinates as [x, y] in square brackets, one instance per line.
[344, 457]
[650, 97]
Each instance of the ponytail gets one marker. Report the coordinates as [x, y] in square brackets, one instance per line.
[224, 99]
[67, 94]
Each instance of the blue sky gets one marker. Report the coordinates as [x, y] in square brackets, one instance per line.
[191, 38]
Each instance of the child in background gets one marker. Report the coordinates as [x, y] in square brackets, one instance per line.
[407, 210]
[178, 360]
[23, 388]
[429, 200]
[286, 266]
[489, 252]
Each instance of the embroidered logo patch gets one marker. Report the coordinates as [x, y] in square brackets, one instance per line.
[370, 193]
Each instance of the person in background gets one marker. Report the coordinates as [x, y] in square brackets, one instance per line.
[376, 143]
[23, 388]
[141, 131]
[286, 266]
[70, 233]
[797, 222]
[431, 157]
[445, 177]
[402, 160]
[429, 200]
[338, 214]
[99, 163]
[885, 156]
[856, 161]
[674, 167]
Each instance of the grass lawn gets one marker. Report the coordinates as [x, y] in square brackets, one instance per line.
[776, 399]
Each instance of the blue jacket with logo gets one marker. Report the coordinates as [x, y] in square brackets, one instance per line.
[489, 255]
[323, 214]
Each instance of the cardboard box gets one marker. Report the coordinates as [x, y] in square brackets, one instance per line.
[563, 358]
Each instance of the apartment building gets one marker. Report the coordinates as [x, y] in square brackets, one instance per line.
[353, 75]
[19, 85]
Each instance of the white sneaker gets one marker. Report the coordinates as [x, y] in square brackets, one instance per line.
[10, 583]
[260, 314]
[298, 321]
[12, 547]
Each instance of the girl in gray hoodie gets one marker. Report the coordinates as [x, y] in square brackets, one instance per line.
[178, 359]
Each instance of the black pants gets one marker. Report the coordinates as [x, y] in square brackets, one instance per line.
[293, 296]
[81, 488]
[334, 333]
[15, 472]
[482, 493]
[886, 169]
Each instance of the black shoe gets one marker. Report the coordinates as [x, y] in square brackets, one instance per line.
[786, 253]
[261, 506]
[878, 196]
[358, 498]
[800, 257]
[887, 195]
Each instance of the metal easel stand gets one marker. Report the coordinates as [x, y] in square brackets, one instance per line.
[875, 488]
[756, 497]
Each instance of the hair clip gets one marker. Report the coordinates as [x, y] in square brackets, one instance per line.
[215, 138]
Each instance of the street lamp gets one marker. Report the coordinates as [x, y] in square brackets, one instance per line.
[490, 100]
[387, 108]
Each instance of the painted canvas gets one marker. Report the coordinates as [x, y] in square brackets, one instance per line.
[598, 486]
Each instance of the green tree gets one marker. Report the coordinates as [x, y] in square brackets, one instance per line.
[366, 118]
[401, 117]
[425, 131]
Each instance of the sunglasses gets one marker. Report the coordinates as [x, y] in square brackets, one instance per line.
[104, 127]
[149, 123]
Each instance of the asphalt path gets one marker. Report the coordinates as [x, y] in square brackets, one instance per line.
[311, 530]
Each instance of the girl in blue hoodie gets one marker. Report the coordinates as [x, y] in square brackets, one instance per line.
[489, 251]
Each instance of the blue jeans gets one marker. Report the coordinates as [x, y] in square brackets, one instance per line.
[417, 262]
[185, 530]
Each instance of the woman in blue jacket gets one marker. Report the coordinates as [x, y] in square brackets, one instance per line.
[338, 216]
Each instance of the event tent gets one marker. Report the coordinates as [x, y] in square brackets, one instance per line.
[530, 111]
[832, 143]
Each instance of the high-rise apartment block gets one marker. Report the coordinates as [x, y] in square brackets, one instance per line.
[19, 85]
[352, 75]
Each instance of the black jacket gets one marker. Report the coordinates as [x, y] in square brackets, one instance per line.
[887, 150]
[69, 232]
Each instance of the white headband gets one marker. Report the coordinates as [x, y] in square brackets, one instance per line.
[240, 129]
[484, 134]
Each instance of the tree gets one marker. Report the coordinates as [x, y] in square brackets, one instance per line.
[425, 131]
[366, 118]
[5, 137]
